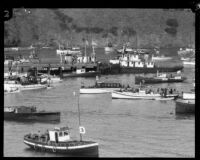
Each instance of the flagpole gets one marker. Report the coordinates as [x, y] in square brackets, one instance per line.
[79, 118]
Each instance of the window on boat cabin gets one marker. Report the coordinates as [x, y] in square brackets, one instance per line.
[65, 133]
[60, 134]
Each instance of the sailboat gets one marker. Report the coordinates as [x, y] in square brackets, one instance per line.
[58, 140]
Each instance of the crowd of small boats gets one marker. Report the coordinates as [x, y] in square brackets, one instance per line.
[58, 140]
[142, 92]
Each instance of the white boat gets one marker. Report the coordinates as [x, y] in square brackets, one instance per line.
[138, 95]
[32, 87]
[142, 94]
[100, 87]
[15, 84]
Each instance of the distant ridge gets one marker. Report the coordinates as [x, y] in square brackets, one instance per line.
[143, 28]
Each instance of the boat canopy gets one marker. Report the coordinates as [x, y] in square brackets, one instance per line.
[107, 85]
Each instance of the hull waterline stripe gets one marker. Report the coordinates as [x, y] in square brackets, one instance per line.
[63, 148]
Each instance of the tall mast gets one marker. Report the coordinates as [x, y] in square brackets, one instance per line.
[85, 49]
[136, 42]
[79, 118]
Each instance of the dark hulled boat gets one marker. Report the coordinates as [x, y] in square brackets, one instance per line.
[58, 141]
[29, 113]
[159, 78]
[186, 104]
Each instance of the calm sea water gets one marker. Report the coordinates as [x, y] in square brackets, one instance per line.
[123, 128]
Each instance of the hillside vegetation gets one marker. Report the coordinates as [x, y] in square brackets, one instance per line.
[141, 27]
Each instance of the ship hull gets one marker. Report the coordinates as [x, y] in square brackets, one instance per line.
[139, 80]
[41, 117]
[87, 149]
[117, 69]
[185, 106]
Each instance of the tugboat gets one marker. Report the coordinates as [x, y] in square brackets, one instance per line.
[29, 113]
[58, 141]
[186, 103]
[159, 78]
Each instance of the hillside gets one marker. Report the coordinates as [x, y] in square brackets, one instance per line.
[141, 27]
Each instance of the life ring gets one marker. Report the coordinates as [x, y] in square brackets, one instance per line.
[35, 146]
[42, 147]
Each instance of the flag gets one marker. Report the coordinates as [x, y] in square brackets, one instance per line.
[82, 130]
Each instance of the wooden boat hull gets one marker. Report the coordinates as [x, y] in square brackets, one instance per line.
[96, 90]
[89, 149]
[40, 116]
[185, 106]
[145, 80]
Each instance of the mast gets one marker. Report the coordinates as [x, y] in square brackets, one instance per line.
[79, 119]
[85, 49]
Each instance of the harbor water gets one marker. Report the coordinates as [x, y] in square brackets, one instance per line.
[123, 128]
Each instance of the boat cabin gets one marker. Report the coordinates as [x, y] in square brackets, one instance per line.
[107, 85]
[20, 109]
[59, 135]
